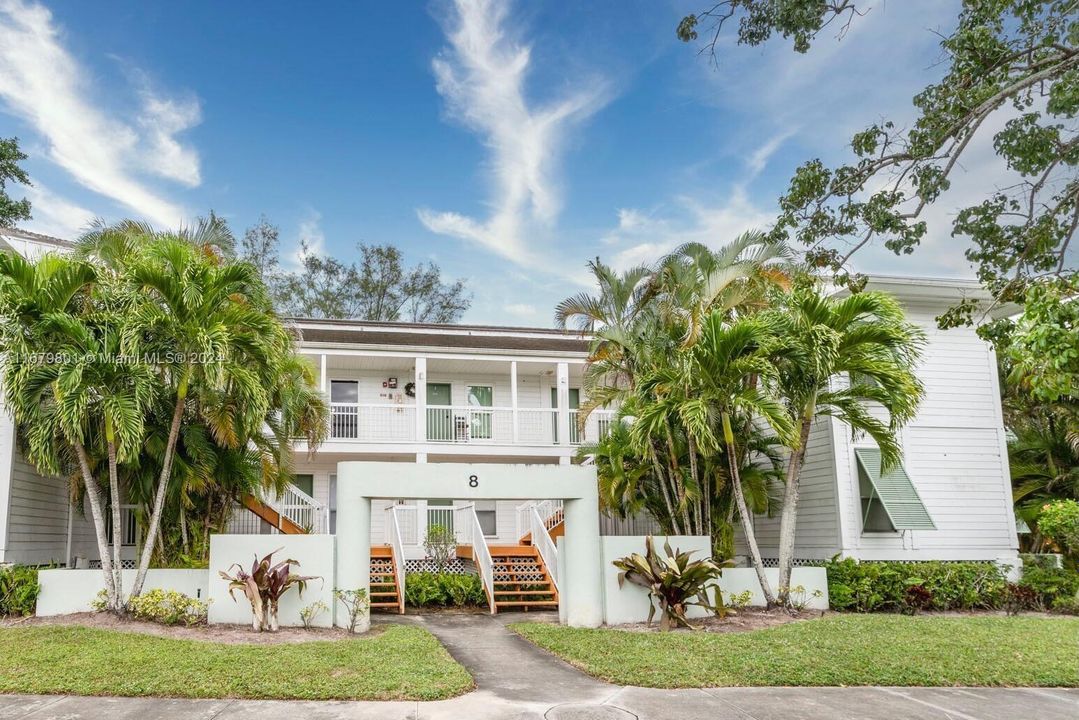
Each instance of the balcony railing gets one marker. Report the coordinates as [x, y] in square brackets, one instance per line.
[472, 425]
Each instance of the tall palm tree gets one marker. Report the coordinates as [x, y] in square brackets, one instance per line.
[223, 358]
[863, 339]
[732, 370]
[77, 390]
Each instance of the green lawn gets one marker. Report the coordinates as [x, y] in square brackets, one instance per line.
[835, 650]
[399, 663]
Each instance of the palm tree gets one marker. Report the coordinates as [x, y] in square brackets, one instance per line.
[223, 357]
[863, 338]
[76, 389]
[733, 374]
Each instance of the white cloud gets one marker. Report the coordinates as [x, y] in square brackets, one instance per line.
[760, 157]
[481, 75]
[41, 83]
[310, 236]
[54, 215]
[649, 238]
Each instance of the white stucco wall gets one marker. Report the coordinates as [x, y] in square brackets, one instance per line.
[66, 591]
[630, 603]
[314, 553]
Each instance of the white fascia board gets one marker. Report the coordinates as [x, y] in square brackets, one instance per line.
[402, 351]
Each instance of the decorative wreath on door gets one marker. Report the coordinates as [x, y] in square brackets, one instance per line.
[410, 389]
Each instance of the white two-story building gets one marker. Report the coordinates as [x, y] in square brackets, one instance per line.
[414, 393]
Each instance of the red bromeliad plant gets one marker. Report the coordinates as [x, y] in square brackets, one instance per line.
[264, 586]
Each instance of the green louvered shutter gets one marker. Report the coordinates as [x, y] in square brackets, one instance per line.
[895, 491]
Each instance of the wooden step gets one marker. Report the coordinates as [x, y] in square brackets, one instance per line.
[524, 592]
[528, 603]
[392, 605]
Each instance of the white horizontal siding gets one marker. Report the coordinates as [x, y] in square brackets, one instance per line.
[817, 528]
[533, 391]
[954, 454]
[37, 516]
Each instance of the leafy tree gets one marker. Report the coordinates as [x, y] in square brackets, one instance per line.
[1017, 57]
[378, 288]
[12, 211]
[843, 356]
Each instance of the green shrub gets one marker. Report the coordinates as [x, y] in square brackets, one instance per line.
[886, 586]
[428, 589]
[1050, 584]
[1060, 521]
[168, 607]
[19, 589]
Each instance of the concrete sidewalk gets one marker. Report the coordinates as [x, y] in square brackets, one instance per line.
[517, 681]
[622, 703]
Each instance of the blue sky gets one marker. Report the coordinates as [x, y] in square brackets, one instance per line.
[510, 142]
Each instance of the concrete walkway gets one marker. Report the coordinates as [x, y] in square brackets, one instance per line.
[517, 681]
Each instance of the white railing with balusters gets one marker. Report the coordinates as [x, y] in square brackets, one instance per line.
[302, 509]
[387, 422]
[541, 540]
[397, 546]
[550, 511]
[470, 532]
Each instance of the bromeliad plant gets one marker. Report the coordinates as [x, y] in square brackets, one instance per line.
[264, 586]
[674, 582]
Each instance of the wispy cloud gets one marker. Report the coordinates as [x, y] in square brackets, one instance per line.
[649, 237]
[54, 215]
[310, 239]
[482, 75]
[44, 85]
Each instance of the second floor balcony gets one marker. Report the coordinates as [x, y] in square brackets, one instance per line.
[394, 400]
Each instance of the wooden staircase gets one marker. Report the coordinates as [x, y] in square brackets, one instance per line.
[271, 516]
[556, 527]
[521, 580]
[386, 592]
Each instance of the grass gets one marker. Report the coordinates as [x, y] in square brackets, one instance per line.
[835, 650]
[400, 663]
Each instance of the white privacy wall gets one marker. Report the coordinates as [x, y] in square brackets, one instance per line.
[954, 451]
[630, 603]
[315, 553]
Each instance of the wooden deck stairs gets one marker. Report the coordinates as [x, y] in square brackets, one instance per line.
[271, 516]
[385, 583]
[521, 580]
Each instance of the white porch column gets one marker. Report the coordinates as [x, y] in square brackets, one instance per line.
[353, 569]
[513, 402]
[563, 403]
[322, 381]
[420, 375]
[583, 591]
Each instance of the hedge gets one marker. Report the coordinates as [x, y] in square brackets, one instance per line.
[19, 589]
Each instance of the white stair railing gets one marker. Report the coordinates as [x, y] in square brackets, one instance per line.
[302, 509]
[397, 546]
[470, 532]
[541, 540]
[551, 511]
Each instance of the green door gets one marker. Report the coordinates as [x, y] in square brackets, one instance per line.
[439, 416]
[481, 396]
[574, 404]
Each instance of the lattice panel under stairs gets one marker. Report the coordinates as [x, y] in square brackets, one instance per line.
[456, 566]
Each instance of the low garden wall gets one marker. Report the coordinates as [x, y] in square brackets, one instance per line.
[630, 603]
[66, 591]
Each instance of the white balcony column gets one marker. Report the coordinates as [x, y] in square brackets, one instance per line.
[322, 374]
[562, 376]
[420, 376]
[513, 403]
